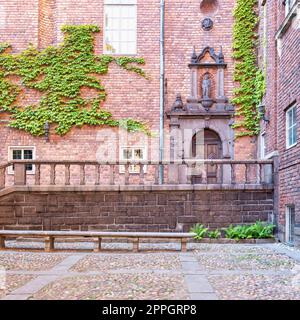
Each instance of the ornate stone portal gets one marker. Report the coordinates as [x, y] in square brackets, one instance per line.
[206, 110]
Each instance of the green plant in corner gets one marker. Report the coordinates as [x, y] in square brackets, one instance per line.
[215, 234]
[59, 74]
[259, 230]
[251, 80]
[199, 230]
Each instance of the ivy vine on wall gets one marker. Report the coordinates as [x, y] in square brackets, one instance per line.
[250, 78]
[59, 73]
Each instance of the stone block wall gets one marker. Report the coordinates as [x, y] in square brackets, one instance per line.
[156, 211]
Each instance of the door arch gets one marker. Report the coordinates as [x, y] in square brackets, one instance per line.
[206, 144]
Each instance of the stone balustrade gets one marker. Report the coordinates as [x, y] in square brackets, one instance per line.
[67, 173]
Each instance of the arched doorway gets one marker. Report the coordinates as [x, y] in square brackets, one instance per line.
[206, 144]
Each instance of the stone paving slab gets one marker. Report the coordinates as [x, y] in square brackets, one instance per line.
[204, 296]
[14, 281]
[209, 272]
[198, 284]
[34, 285]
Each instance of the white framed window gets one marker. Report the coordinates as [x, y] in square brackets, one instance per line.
[288, 6]
[290, 224]
[134, 154]
[291, 127]
[120, 27]
[21, 153]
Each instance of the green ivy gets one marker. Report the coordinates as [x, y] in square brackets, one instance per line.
[251, 80]
[59, 73]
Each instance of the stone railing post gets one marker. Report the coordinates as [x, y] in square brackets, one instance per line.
[20, 174]
[2, 177]
[276, 165]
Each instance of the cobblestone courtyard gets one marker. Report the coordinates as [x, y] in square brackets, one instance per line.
[209, 271]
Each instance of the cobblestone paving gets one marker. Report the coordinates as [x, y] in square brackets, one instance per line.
[210, 271]
[104, 262]
[255, 287]
[14, 281]
[245, 261]
[29, 260]
[243, 272]
[116, 287]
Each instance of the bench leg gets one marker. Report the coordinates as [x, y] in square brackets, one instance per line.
[2, 243]
[184, 245]
[97, 247]
[49, 244]
[135, 244]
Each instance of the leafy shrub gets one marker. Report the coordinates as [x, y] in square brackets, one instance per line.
[259, 230]
[216, 234]
[200, 231]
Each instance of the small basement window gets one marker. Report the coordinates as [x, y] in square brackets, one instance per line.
[134, 154]
[290, 224]
[22, 153]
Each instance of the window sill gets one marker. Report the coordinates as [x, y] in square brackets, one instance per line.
[121, 54]
[295, 10]
[291, 146]
[31, 173]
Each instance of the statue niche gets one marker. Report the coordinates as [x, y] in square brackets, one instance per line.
[206, 86]
[207, 91]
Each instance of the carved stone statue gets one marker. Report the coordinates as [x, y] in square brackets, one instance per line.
[206, 87]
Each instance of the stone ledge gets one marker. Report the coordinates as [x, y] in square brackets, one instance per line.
[148, 188]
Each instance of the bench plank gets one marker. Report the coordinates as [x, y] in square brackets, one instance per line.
[49, 237]
[97, 247]
[2, 243]
[49, 244]
[95, 234]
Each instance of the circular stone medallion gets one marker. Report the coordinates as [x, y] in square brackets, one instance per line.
[207, 24]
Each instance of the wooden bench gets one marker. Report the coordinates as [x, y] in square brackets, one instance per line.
[49, 237]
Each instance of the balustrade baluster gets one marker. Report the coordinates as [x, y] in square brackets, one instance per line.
[247, 171]
[67, 175]
[98, 174]
[37, 174]
[2, 177]
[232, 173]
[259, 174]
[142, 174]
[219, 173]
[189, 173]
[126, 174]
[82, 174]
[205, 174]
[52, 174]
[156, 174]
[112, 174]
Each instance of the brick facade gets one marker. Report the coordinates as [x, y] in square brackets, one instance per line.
[283, 90]
[39, 23]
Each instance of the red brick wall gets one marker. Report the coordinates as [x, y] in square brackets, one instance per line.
[19, 23]
[128, 94]
[283, 76]
[47, 26]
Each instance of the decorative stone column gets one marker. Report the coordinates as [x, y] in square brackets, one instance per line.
[194, 85]
[220, 85]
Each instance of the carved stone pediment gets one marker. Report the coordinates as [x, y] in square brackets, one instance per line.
[198, 60]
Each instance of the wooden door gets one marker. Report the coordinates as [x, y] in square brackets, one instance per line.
[211, 148]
